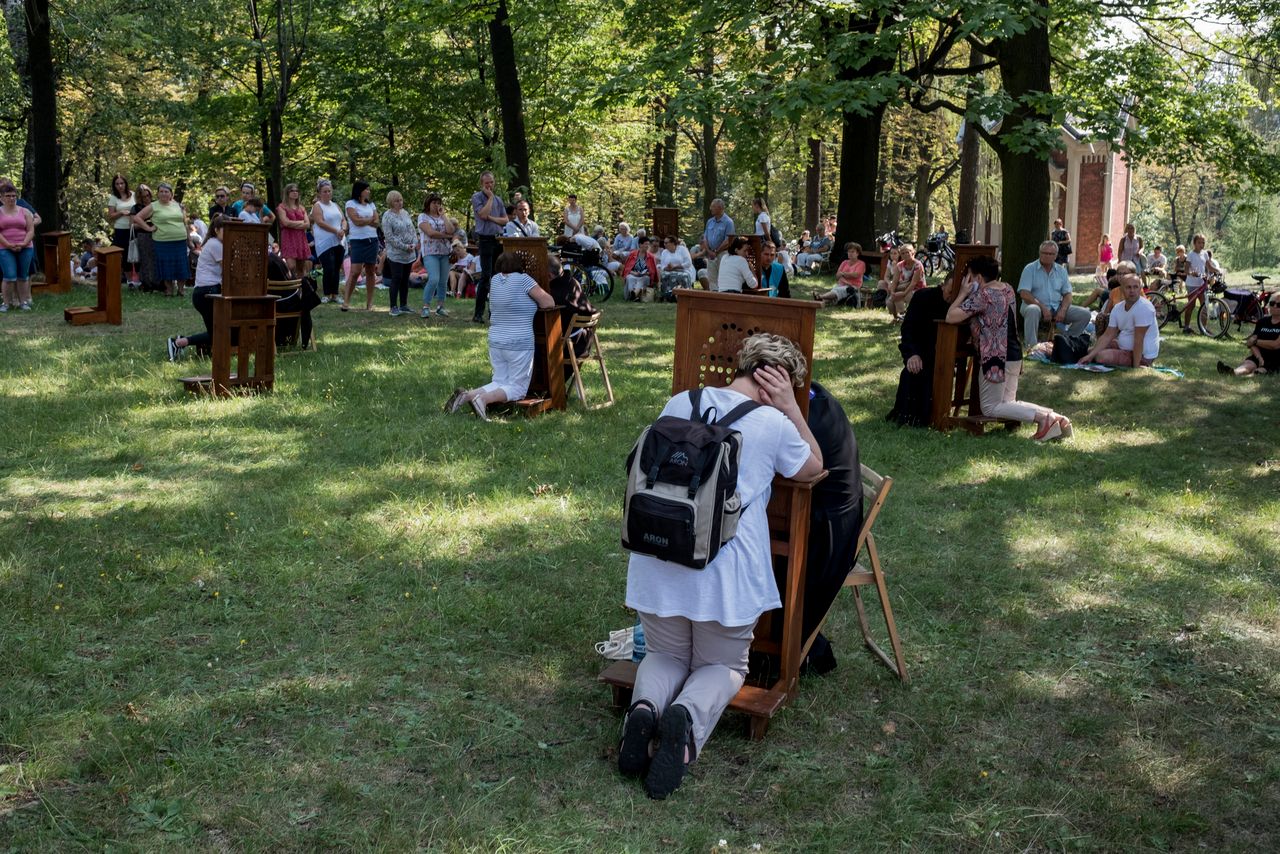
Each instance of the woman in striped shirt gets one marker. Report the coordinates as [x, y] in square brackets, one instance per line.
[514, 298]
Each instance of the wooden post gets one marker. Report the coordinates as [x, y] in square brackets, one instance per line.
[57, 262]
[108, 309]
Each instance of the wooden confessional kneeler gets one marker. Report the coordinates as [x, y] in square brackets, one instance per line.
[108, 309]
[710, 329]
[244, 317]
[547, 387]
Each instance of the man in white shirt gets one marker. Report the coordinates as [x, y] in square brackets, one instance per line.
[520, 225]
[1132, 339]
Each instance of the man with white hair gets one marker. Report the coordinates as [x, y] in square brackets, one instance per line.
[1046, 291]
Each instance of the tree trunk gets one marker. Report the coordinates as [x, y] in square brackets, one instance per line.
[506, 82]
[860, 150]
[31, 39]
[859, 165]
[666, 190]
[1024, 211]
[924, 195]
[813, 185]
[710, 172]
[966, 219]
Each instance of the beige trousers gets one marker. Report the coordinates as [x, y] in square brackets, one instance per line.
[701, 666]
[999, 399]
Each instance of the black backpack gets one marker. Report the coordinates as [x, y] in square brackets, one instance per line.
[682, 501]
[1069, 349]
[775, 235]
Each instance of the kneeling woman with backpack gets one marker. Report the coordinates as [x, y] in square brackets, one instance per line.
[701, 472]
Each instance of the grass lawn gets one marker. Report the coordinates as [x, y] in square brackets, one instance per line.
[334, 618]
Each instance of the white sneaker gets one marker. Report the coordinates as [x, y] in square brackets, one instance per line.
[26, 306]
[4, 306]
[323, 300]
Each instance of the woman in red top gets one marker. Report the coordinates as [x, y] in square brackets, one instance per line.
[640, 270]
[848, 276]
[294, 223]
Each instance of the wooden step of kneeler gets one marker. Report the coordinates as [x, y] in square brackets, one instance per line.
[83, 316]
[758, 704]
[529, 407]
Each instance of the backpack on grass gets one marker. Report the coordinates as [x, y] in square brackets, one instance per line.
[682, 503]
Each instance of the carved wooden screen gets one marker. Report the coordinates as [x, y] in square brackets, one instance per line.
[534, 252]
[244, 259]
[710, 329]
[967, 251]
[666, 221]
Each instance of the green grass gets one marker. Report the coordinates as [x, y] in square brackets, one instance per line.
[334, 618]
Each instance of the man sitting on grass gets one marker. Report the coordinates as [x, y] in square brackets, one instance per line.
[1132, 338]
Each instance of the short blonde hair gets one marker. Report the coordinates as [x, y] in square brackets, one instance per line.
[394, 194]
[766, 349]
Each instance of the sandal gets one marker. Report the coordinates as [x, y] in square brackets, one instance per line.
[638, 727]
[675, 738]
[1052, 429]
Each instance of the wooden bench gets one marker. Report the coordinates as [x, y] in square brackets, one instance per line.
[108, 309]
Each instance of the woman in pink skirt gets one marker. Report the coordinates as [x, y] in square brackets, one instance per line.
[293, 232]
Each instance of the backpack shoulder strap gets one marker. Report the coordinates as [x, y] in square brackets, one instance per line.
[695, 406]
[737, 412]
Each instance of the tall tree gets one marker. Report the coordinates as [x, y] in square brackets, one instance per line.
[506, 82]
[31, 40]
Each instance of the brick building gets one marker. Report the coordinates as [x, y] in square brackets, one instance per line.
[1090, 189]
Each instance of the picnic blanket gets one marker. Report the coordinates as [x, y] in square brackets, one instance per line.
[1035, 356]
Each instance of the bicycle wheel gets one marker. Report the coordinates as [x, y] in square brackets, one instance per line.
[930, 264]
[1161, 304]
[602, 277]
[1214, 318]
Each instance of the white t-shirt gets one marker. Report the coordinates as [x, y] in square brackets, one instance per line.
[366, 210]
[209, 267]
[762, 224]
[326, 240]
[735, 274]
[1195, 269]
[680, 257]
[738, 586]
[1125, 320]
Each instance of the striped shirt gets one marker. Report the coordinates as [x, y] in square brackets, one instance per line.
[511, 311]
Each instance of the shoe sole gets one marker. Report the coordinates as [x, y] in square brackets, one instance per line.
[637, 732]
[666, 771]
[479, 409]
[452, 405]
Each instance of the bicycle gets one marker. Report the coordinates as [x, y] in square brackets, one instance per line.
[1213, 319]
[1249, 306]
[888, 240]
[595, 279]
[938, 254]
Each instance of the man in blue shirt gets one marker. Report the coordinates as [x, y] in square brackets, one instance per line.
[1046, 292]
[716, 239]
[491, 218]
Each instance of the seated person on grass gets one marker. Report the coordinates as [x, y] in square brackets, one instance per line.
[811, 256]
[910, 279]
[87, 262]
[1263, 344]
[1132, 337]
[848, 277]
[640, 270]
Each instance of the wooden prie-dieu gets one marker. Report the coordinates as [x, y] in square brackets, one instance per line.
[108, 309]
[244, 317]
[956, 402]
[666, 221]
[547, 386]
[710, 329]
[56, 258]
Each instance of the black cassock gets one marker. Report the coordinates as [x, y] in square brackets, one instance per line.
[919, 338]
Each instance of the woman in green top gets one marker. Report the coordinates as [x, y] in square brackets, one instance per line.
[167, 222]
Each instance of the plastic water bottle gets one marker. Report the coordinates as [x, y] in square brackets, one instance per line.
[638, 643]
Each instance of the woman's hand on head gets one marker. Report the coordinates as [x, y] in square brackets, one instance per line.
[775, 388]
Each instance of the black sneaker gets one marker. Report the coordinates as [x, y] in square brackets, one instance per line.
[1224, 368]
[666, 771]
[174, 350]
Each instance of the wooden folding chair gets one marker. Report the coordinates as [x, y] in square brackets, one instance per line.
[586, 325]
[874, 490]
